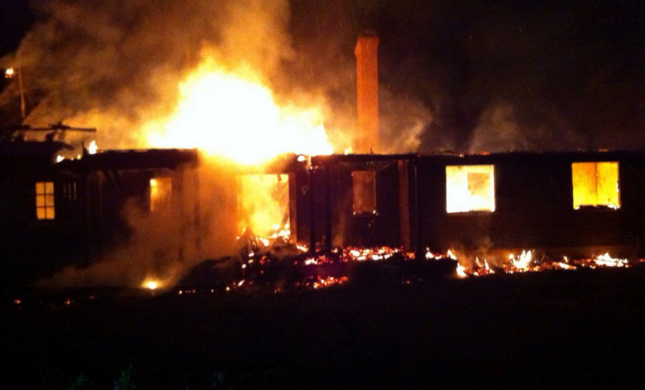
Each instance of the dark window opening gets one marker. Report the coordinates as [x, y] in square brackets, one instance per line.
[364, 189]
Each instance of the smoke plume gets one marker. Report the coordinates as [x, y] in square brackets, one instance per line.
[403, 121]
[115, 65]
[166, 243]
[501, 128]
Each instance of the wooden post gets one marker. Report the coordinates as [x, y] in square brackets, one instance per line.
[312, 213]
[328, 209]
[404, 203]
[418, 213]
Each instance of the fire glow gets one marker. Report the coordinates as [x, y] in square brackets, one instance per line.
[266, 273]
[92, 148]
[235, 116]
[525, 262]
[264, 206]
[151, 284]
[595, 184]
[470, 188]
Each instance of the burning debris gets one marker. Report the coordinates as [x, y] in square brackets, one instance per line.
[269, 273]
[328, 281]
[525, 262]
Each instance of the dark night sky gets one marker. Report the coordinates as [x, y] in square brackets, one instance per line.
[573, 71]
[494, 75]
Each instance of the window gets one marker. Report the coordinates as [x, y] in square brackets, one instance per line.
[160, 190]
[69, 191]
[263, 203]
[595, 184]
[364, 188]
[470, 188]
[45, 200]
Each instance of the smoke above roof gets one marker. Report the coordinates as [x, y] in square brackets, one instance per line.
[453, 75]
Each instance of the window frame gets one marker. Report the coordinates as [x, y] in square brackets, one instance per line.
[450, 194]
[45, 200]
[596, 205]
[359, 176]
[160, 192]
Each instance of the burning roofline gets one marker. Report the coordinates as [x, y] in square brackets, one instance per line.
[132, 159]
[292, 162]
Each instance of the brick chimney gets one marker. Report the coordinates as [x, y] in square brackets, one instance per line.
[367, 93]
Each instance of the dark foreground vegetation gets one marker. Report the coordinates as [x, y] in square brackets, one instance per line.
[559, 328]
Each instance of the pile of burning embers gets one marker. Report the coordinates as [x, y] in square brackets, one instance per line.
[291, 268]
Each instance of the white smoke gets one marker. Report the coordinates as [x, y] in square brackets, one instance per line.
[500, 129]
[117, 65]
[402, 121]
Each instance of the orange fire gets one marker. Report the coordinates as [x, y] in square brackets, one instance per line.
[329, 281]
[264, 205]
[526, 263]
[235, 116]
[92, 148]
[374, 254]
[461, 271]
[151, 284]
[521, 263]
[608, 261]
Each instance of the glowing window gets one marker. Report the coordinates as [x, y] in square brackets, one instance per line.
[595, 184]
[470, 188]
[160, 190]
[364, 188]
[263, 202]
[45, 200]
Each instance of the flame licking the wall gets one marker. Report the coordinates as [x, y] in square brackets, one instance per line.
[233, 115]
[264, 206]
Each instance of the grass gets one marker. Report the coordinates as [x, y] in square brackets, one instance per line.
[531, 330]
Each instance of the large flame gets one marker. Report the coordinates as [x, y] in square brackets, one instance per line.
[233, 115]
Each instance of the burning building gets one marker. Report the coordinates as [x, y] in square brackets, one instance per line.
[74, 212]
[69, 212]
